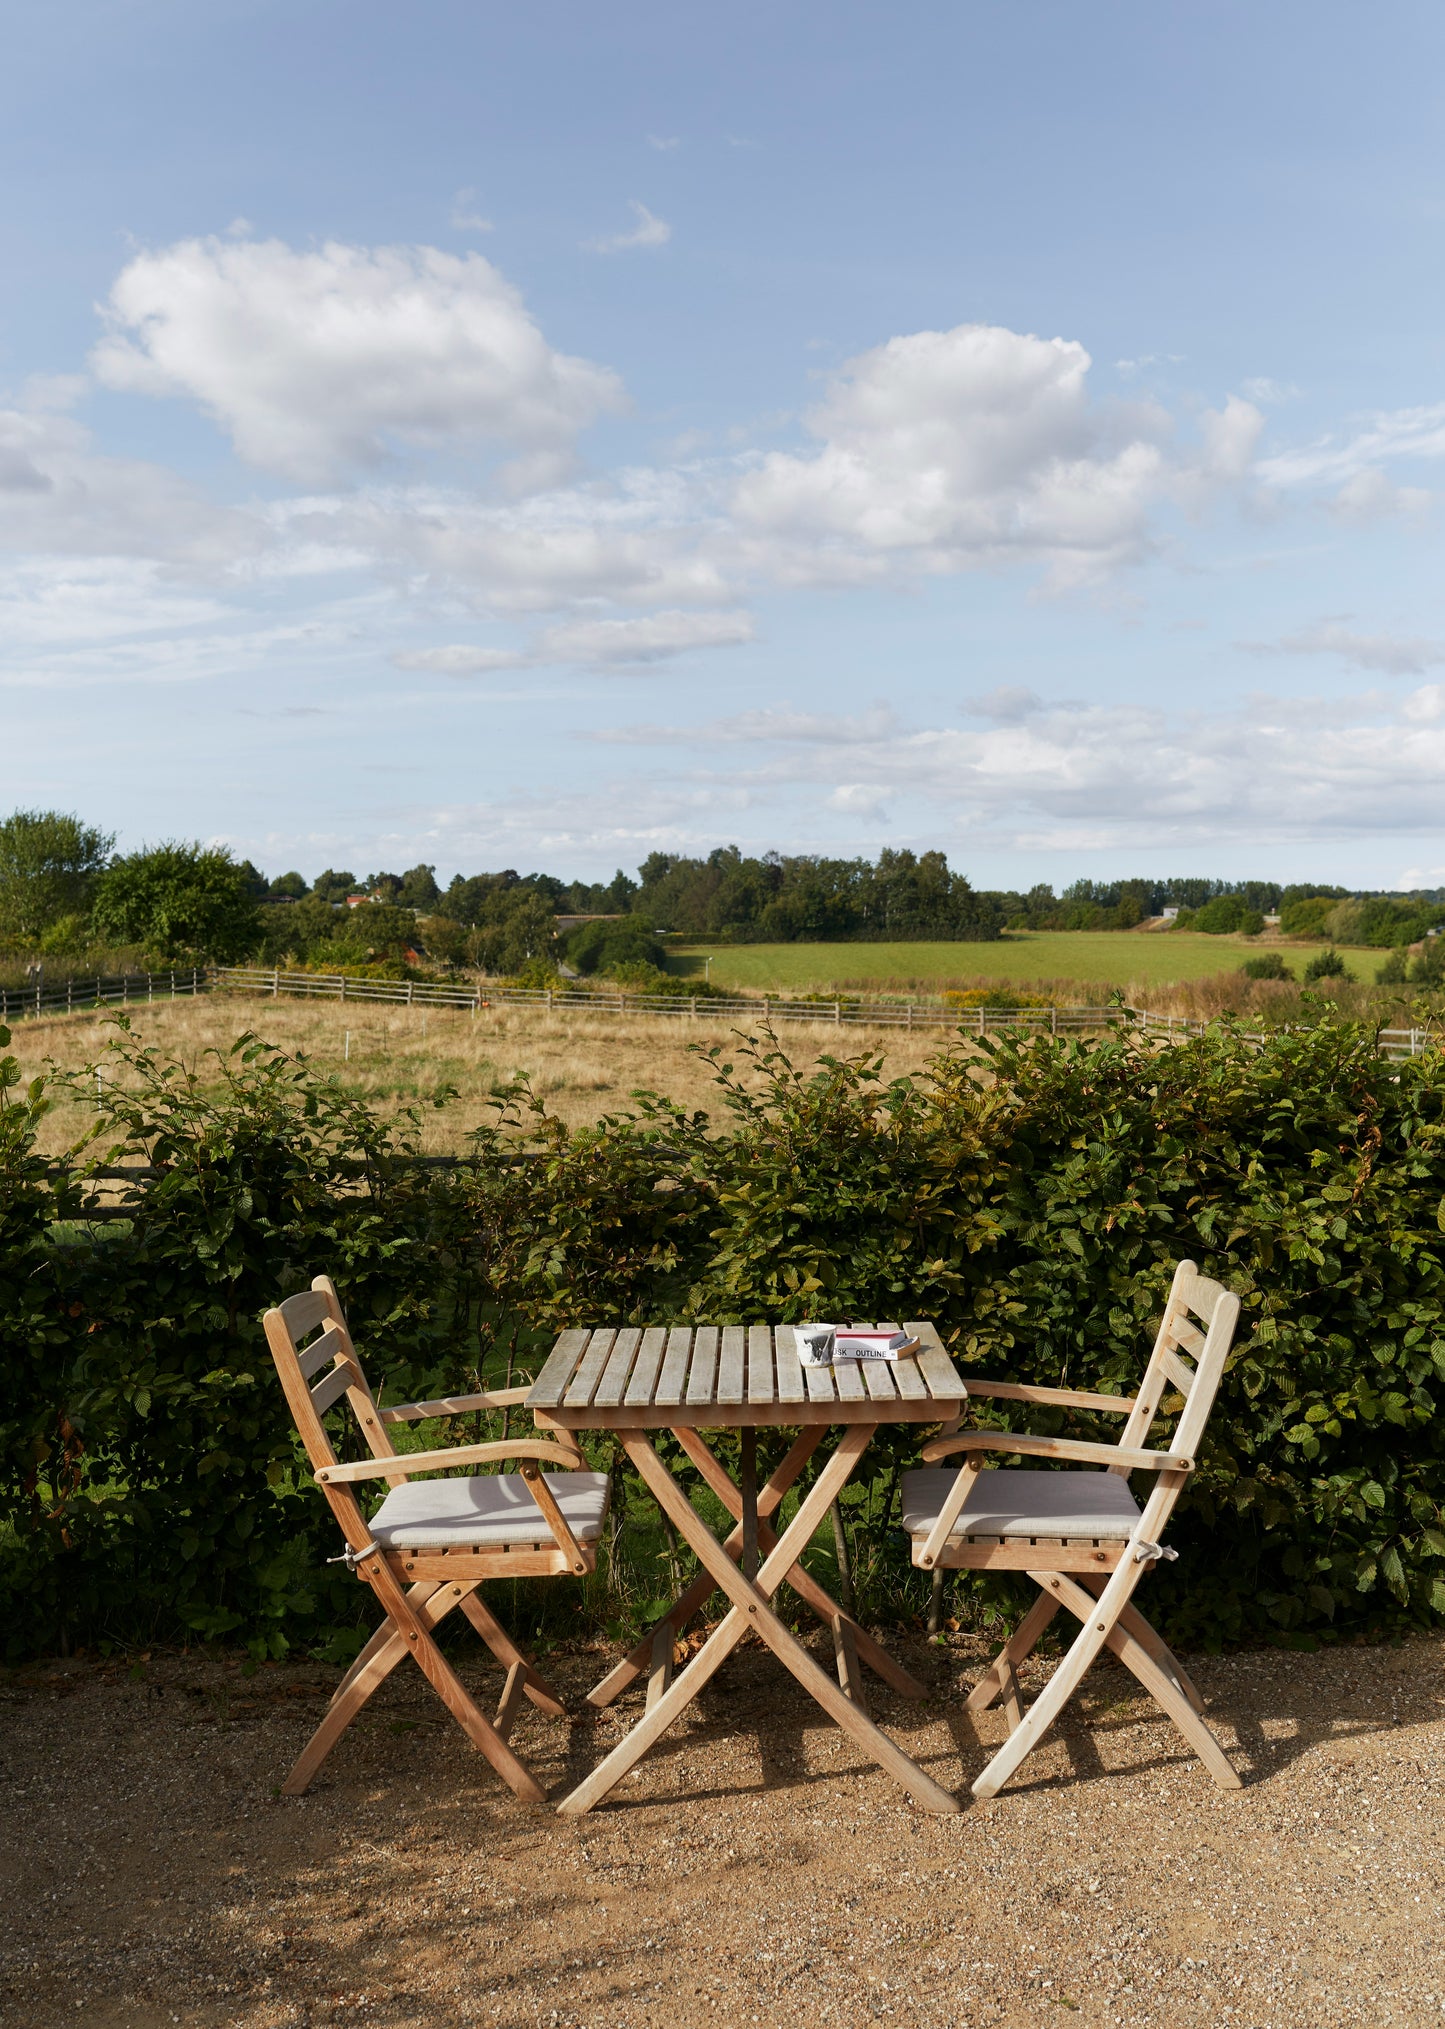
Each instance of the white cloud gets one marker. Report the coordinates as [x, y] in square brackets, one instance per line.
[593, 644]
[1260, 388]
[947, 450]
[654, 637]
[1396, 433]
[460, 659]
[1389, 654]
[1369, 496]
[318, 362]
[465, 216]
[664, 143]
[767, 726]
[649, 231]
[1007, 705]
[59, 496]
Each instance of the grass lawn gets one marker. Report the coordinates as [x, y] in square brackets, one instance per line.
[1112, 957]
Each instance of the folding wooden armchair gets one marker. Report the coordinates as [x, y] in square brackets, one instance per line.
[1081, 1536]
[432, 1542]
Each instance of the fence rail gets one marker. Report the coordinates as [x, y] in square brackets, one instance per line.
[109, 989]
[576, 1000]
[137, 988]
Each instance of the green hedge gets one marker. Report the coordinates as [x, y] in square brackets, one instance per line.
[1032, 1200]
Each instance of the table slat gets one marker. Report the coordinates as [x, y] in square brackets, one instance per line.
[547, 1389]
[610, 1388]
[730, 1366]
[760, 1363]
[907, 1379]
[791, 1385]
[649, 1359]
[939, 1373]
[820, 1384]
[878, 1379]
[849, 1381]
[673, 1378]
[579, 1392]
[703, 1371]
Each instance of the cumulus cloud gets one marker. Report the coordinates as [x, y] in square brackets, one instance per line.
[1388, 654]
[649, 231]
[946, 450]
[316, 363]
[1370, 496]
[1260, 388]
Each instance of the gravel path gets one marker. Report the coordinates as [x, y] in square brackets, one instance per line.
[754, 1870]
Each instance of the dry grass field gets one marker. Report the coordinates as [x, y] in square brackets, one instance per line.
[397, 1056]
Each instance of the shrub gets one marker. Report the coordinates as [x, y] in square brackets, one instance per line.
[1034, 1207]
[1268, 965]
[603, 946]
[181, 901]
[1305, 916]
[1394, 971]
[1326, 965]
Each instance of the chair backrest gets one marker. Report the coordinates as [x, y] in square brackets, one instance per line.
[318, 1365]
[1186, 1361]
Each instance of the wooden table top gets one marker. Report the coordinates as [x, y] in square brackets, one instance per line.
[712, 1376]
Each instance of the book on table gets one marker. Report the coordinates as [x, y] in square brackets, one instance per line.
[820, 1344]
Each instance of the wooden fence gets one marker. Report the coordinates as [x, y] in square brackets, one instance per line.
[137, 988]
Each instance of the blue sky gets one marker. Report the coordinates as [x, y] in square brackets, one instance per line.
[538, 437]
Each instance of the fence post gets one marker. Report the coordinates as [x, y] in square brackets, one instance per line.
[767, 1010]
[408, 993]
[69, 995]
[837, 1010]
[692, 1005]
[549, 1000]
[275, 982]
[173, 983]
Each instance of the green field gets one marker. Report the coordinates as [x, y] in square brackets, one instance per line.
[1110, 957]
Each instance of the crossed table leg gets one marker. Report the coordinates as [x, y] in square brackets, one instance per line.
[751, 1609]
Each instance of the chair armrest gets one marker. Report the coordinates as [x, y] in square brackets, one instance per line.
[1054, 1447]
[1063, 1398]
[454, 1405]
[436, 1461]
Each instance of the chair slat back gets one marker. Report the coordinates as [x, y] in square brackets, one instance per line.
[1185, 1360]
[331, 1356]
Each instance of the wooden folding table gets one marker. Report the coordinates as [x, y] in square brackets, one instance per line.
[691, 1378]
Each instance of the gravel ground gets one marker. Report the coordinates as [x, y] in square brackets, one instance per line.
[753, 1870]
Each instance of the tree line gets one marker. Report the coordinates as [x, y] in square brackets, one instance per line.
[64, 891]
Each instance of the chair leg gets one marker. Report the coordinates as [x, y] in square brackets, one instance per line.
[1157, 1680]
[1099, 1618]
[443, 1678]
[1154, 1645]
[1022, 1642]
[533, 1683]
[370, 1670]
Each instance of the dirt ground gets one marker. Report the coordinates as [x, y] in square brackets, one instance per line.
[753, 1870]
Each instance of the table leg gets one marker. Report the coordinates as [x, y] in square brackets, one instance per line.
[808, 1589]
[751, 1608]
[638, 1661]
[748, 1490]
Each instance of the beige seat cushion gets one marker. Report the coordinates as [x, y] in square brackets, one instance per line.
[488, 1511]
[1012, 1501]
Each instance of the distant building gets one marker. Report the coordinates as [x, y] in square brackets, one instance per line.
[566, 923]
[1169, 914]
